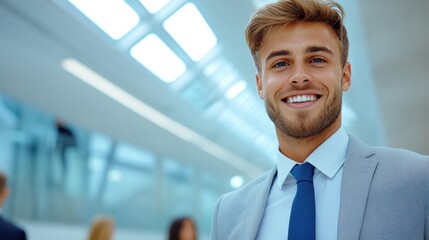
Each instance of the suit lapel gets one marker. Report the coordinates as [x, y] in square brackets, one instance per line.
[359, 169]
[256, 201]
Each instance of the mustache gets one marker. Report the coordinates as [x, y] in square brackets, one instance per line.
[300, 88]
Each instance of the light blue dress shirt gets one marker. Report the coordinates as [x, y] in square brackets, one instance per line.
[328, 160]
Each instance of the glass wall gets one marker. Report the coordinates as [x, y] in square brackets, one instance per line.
[61, 173]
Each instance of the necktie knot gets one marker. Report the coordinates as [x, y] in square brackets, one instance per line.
[303, 172]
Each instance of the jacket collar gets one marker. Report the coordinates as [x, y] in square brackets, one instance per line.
[256, 202]
[359, 169]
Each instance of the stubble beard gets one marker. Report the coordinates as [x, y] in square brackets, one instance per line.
[303, 126]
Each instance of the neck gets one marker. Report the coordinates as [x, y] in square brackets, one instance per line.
[298, 149]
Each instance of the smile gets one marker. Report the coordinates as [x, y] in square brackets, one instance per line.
[301, 98]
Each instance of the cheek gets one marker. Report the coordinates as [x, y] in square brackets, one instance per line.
[331, 80]
[272, 85]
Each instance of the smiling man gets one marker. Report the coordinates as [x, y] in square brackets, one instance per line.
[307, 57]
[326, 185]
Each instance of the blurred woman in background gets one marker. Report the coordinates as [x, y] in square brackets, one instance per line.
[183, 229]
[102, 228]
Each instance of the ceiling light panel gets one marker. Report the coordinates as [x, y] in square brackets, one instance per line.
[158, 58]
[114, 17]
[235, 89]
[190, 30]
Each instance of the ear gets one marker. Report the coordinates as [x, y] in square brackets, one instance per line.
[259, 85]
[347, 77]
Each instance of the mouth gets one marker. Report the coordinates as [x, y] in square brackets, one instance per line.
[301, 98]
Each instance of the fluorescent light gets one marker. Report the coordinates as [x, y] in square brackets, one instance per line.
[190, 30]
[153, 6]
[115, 17]
[158, 58]
[235, 89]
[236, 181]
[103, 85]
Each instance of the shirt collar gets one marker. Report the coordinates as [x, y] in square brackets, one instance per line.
[327, 158]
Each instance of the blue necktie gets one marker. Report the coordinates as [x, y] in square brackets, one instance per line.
[302, 224]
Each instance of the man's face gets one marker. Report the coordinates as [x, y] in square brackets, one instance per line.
[301, 78]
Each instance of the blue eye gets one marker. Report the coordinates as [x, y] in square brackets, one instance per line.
[317, 60]
[280, 64]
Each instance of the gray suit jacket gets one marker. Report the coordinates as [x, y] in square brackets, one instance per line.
[384, 195]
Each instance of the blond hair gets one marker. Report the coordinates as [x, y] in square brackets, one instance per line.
[101, 228]
[285, 12]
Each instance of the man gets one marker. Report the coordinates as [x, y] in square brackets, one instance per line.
[66, 140]
[354, 191]
[8, 231]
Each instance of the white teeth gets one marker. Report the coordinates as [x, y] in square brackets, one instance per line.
[301, 98]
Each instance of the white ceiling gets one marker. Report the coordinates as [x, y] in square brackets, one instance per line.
[37, 35]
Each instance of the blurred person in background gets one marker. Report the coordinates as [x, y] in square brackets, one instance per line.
[102, 228]
[8, 230]
[183, 229]
[65, 141]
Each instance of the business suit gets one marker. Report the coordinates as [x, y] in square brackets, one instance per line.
[9, 231]
[384, 195]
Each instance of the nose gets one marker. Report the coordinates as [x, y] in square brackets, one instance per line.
[300, 75]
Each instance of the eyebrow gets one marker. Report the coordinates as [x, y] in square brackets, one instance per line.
[313, 49]
[278, 53]
[310, 49]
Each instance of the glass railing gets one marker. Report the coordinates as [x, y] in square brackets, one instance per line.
[61, 173]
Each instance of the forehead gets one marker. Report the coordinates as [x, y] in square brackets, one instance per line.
[298, 36]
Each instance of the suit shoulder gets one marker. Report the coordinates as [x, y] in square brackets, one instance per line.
[397, 154]
[359, 149]
[391, 161]
[7, 227]
[403, 162]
